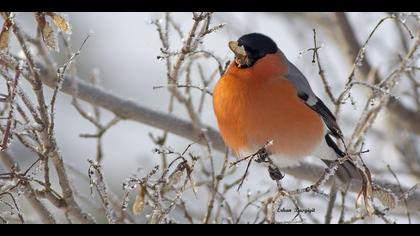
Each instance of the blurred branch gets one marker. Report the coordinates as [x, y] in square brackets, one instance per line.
[409, 119]
[352, 45]
[331, 202]
[95, 119]
[370, 112]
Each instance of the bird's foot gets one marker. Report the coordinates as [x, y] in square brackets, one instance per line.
[275, 173]
[261, 155]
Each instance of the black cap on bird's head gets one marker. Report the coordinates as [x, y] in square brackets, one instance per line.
[250, 48]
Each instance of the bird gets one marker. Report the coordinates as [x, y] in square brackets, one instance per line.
[262, 97]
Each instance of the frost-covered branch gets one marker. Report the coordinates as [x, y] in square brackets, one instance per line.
[131, 110]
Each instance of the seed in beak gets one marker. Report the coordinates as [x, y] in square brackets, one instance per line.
[241, 58]
[238, 50]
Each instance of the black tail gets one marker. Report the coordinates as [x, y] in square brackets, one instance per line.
[347, 172]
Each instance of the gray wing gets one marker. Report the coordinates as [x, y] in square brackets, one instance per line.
[346, 171]
[308, 96]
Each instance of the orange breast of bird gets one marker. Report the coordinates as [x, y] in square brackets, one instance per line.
[259, 104]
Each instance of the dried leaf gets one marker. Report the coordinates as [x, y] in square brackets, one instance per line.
[174, 178]
[4, 40]
[189, 173]
[4, 36]
[138, 205]
[359, 200]
[366, 193]
[61, 23]
[238, 50]
[193, 187]
[387, 198]
[49, 37]
[40, 19]
[363, 198]
[368, 207]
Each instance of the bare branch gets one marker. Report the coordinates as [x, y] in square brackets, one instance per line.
[49, 143]
[42, 211]
[97, 179]
[357, 51]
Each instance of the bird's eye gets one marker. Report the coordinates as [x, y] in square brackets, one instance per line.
[251, 52]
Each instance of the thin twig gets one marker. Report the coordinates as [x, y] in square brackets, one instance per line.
[401, 191]
[331, 202]
[321, 73]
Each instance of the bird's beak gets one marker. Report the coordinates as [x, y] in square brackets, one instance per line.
[241, 58]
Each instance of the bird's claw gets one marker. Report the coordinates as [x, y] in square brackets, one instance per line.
[275, 173]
